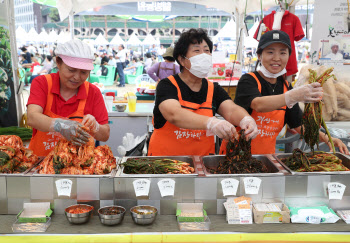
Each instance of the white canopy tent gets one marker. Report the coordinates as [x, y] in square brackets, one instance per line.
[149, 40]
[133, 40]
[32, 36]
[117, 40]
[101, 40]
[21, 35]
[229, 30]
[63, 37]
[43, 37]
[53, 36]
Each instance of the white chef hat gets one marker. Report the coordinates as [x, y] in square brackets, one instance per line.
[334, 43]
[76, 54]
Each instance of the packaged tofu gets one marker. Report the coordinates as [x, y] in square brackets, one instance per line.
[313, 215]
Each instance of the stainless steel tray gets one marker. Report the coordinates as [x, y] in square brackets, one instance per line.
[187, 159]
[25, 172]
[212, 162]
[109, 175]
[344, 158]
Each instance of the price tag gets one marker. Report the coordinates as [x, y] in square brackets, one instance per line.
[336, 190]
[251, 185]
[166, 187]
[229, 186]
[141, 187]
[64, 187]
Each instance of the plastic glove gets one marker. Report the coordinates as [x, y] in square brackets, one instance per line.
[309, 93]
[71, 130]
[249, 125]
[221, 128]
[90, 122]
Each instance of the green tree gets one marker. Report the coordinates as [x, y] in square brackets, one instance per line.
[54, 16]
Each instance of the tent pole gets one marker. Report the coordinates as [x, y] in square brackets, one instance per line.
[71, 24]
[14, 56]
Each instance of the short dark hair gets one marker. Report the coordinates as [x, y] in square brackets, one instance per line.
[122, 46]
[23, 49]
[170, 59]
[148, 55]
[134, 59]
[49, 58]
[192, 36]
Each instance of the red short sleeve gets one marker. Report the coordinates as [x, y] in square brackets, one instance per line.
[38, 91]
[95, 105]
[298, 29]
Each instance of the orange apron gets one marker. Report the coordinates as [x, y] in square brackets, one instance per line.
[43, 142]
[269, 126]
[172, 140]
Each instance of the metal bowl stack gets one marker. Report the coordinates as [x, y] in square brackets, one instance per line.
[121, 107]
[78, 218]
[143, 214]
[111, 215]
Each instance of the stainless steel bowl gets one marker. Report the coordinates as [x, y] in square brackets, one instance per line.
[111, 219]
[121, 107]
[78, 218]
[143, 214]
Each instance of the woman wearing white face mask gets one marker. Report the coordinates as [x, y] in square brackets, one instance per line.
[186, 103]
[270, 100]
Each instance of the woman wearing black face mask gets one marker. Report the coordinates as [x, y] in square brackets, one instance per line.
[270, 100]
[184, 114]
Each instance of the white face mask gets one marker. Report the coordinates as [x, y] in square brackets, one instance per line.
[268, 74]
[200, 65]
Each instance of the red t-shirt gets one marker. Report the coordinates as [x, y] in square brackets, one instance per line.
[33, 65]
[94, 104]
[292, 26]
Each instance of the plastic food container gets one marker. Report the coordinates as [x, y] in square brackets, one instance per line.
[19, 227]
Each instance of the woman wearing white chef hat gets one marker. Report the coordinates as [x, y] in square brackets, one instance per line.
[62, 102]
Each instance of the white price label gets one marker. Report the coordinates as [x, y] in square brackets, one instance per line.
[336, 190]
[313, 219]
[229, 186]
[166, 187]
[245, 216]
[64, 187]
[251, 185]
[141, 187]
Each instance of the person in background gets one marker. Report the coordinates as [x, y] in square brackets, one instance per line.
[22, 59]
[215, 47]
[109, 50]
[131, 68]
[148, 61]
[142, 61]
[121, 55]
[104, 58]
[32, 49]
[46, 69]
[97, 60]
[335, 54]
[154, 50]
[112, 62]
[154, 60]
[61, 103]
[29, 73]
[38, 57]
[161, 51]
[28, 57]
[164, 69]
[185, 106]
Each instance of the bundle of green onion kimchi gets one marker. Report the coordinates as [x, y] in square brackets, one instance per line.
[312, 117]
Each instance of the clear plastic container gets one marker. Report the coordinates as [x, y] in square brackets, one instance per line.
[31, 227]
[195, 226]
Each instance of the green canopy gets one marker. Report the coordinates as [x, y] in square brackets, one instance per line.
[51, 3]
